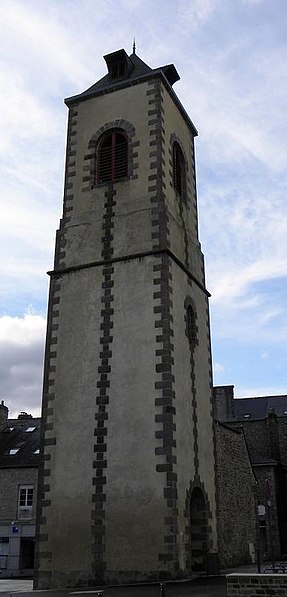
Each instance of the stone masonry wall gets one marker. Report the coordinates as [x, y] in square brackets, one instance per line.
[235, 489]
[10, 480]
[255, 585]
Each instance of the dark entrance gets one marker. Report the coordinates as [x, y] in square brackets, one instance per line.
[198, 525]
[27, 546]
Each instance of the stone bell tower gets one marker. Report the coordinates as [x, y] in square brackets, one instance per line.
[127, 487]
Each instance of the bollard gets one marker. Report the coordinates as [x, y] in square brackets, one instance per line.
[162, 589]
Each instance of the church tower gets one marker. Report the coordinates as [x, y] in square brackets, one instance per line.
[127, 483]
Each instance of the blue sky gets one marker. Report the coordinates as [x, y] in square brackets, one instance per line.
[231, 56]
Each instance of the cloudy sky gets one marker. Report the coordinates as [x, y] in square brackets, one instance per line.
[231, 56]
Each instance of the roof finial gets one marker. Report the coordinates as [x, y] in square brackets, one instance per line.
[134, 46]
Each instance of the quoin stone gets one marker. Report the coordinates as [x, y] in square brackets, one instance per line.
[127, 481]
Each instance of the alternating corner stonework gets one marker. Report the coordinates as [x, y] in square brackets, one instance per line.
[127, 488]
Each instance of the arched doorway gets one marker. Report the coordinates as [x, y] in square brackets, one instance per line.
[198, 529]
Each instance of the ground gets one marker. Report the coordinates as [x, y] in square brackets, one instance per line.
[204, 587]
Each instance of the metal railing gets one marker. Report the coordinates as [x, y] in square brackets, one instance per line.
[162, 589]
[276, 568]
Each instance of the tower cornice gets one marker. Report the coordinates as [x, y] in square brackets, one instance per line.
[125, 83]
[124, 258]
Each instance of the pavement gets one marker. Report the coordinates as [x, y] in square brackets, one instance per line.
[214, 586]
[201, 587]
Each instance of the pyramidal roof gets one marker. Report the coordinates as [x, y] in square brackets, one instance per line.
[124, 70]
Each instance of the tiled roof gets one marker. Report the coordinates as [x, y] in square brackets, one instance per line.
[260, 407]
[19, 443]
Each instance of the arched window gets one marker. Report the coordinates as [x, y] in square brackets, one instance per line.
[112, 157]
[178, 169]
[191, 325]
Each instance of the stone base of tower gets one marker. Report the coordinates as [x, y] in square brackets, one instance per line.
[79, 578]
[57, 579]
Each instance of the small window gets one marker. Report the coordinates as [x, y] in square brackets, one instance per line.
[30, 429]
[36, 451]
[25, 503]
[112, 157]
[178, 170]
[191, 325]
[247, 416]
[118, 70]
[13, 451]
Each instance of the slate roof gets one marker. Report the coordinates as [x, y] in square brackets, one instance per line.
[15, 435]
[259, 408]
[138, 71]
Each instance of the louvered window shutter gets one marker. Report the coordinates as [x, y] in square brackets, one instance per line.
[112, 157]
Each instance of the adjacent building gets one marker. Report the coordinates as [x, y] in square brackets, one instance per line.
[263, 421]
[19, 460]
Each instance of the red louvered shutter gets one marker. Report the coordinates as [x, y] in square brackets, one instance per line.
[112, 157]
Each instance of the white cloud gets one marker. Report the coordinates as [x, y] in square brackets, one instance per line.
[237, 282]
[218, 368]
[21, 362]
[253, 392]
[40, 32]
[193, 13]
[21, 331]
[25, 115]
[233, 86]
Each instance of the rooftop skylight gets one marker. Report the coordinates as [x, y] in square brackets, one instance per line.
[30, 429]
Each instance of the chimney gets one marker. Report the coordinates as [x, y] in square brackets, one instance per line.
[3, 415]
[24, 416]
[223, 400]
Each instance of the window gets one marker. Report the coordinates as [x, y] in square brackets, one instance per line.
[191, 325]
[25, 503]
[178, 170]
[4, 551]
[13, 451]
[30, 429]
[112, 157]
[118, 70]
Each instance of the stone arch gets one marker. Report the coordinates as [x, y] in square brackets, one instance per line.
[198, 530]
[174, 139]
[89, 174]
[190, 316]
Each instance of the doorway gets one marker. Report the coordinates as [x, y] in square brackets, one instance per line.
[199, 532]
[27, 547]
